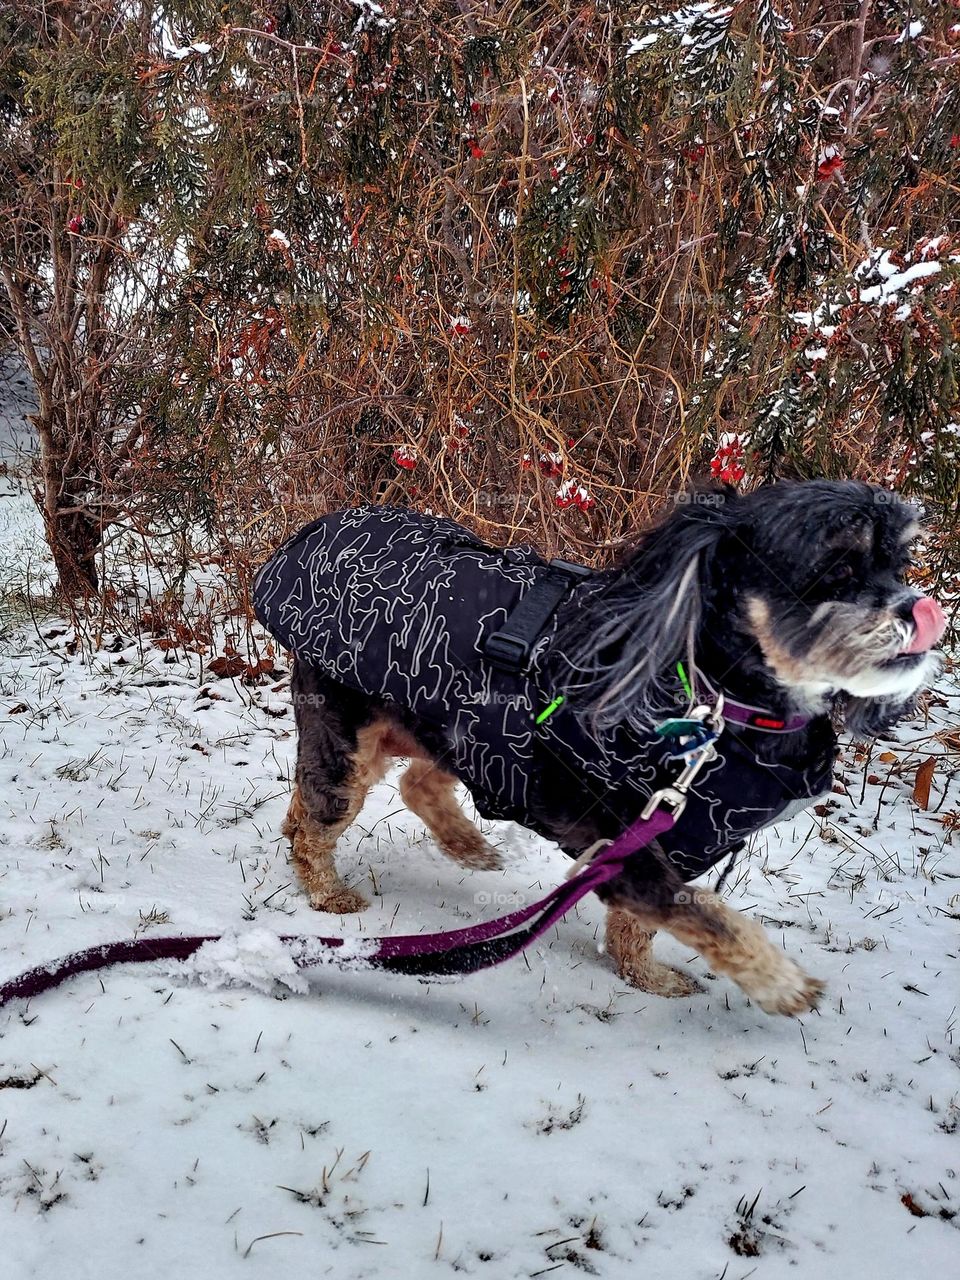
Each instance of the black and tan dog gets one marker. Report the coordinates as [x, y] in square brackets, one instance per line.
[790, 600]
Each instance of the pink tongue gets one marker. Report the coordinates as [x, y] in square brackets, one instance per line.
[929, 625]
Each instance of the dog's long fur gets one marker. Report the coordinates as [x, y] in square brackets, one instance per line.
[791, 597]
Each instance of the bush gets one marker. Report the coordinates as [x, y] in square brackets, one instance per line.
[533, 271]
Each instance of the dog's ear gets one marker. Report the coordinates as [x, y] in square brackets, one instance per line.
[626, 644]
[870, 717]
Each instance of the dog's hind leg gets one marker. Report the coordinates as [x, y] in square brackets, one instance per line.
[428, 791]
[337, 764]
[313, 832]
[630, 946]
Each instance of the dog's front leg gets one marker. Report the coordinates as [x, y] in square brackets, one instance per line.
[654, 894]
[630, 946]
[733, 944]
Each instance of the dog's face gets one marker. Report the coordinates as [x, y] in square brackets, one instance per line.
[802, 584]
[823, 590]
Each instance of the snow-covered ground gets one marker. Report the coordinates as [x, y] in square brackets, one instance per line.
[537, 1118]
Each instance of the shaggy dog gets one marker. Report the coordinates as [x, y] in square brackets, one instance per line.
[790, 600]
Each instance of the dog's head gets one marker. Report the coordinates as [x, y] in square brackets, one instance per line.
[799, 583]
[823, 593]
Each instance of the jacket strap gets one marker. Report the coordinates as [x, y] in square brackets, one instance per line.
[509, 648]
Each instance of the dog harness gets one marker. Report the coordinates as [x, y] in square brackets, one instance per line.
[415, 610]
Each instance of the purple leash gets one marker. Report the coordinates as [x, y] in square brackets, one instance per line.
[456, 951]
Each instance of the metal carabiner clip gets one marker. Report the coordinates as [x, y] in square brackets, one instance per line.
[675, 797]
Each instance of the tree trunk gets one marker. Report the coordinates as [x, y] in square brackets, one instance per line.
[72, 535]
[74, 541]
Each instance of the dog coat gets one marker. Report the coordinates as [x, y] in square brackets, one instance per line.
[399, 606]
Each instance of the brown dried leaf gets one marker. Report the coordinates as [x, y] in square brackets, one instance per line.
[227, 666]
[917, 1210]
[921, 786]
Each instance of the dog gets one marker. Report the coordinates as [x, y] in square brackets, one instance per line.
[790, 600]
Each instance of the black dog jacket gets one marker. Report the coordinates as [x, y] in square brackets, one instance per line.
[401, 605]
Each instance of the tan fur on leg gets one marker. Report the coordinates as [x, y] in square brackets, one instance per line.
[630, 947]
[427, 791]
[734, 944]
[737, 946]
[312, 846]
[313, 842]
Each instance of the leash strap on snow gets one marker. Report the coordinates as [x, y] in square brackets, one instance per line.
[456, 951]
[509, 648]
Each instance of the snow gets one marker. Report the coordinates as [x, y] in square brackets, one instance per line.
[370, 15]
[644, 42]
[198, 46]
[232, 1116]
[891, 285]
[895, 281]
[707, 17]
[255, 957]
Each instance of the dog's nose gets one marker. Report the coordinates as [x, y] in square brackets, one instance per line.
[929, 624]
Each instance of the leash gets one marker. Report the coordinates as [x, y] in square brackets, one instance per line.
[455, 951]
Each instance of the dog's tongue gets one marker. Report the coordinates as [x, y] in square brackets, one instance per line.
[929, 624]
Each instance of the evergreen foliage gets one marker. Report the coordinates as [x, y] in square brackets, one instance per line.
[463, 256]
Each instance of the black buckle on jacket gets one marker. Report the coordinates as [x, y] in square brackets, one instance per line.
[509, 648]
[576, 570]
[506, 653]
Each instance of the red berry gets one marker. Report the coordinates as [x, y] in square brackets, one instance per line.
[827, 168]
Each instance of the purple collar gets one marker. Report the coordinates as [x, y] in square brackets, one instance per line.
[743, 713]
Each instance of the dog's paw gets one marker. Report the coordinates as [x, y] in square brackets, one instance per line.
[786, 989]
[474, 853]
[339, 902]
[661, 980]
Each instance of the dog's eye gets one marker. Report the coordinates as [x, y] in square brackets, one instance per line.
[837, 574]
